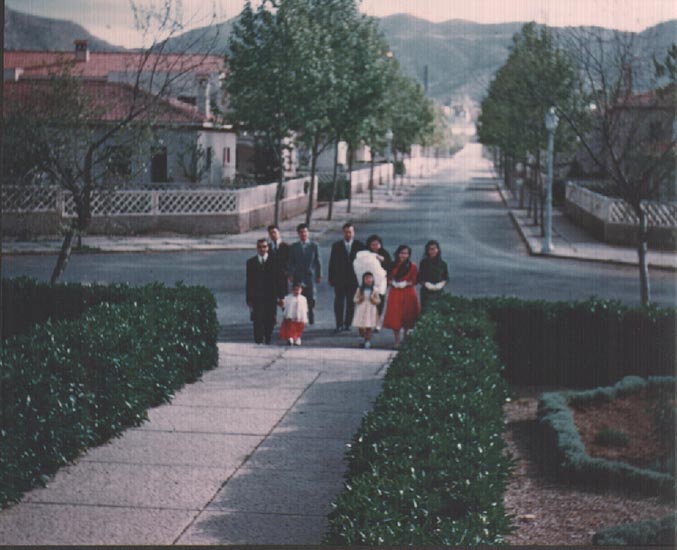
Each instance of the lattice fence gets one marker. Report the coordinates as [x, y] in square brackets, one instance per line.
[197, 202]
[120, 203]
[658, 214]
[29, 199]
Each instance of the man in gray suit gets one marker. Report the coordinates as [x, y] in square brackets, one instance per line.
[304, 266]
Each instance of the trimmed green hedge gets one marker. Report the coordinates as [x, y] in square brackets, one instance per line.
[563, 442]
[66, 385]
[26, 302]
[580, 344]
[645, 533]
[428, 464]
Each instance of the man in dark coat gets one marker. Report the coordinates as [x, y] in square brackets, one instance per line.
[342, 276]
[279, 250]
[264, 291]
[304, 266]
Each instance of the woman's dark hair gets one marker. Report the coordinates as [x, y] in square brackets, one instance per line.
[373, 238]
[404, 268]
[363, 285]
[430, 243]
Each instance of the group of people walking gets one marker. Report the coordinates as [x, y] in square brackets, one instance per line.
[372, 290]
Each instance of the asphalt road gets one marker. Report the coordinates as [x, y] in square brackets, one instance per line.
[460, 208]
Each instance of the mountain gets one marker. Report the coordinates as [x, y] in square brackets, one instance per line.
[29, 32]
[461, 56]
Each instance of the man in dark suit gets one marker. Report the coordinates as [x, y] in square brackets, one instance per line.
[279, 250]
[304, 266]
[264, 291]
[342, 276]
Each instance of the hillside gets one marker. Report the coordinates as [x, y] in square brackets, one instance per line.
[29, 32]
[461, 56]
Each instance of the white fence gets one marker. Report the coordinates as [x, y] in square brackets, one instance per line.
[615, 210]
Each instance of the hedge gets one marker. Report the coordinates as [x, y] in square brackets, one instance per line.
[26, 302]
[580, 344]
[659, 532]
[427, 465]
[563, 443]
[66, 385]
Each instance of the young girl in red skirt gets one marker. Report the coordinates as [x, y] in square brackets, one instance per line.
[295, 315]
[403, 308]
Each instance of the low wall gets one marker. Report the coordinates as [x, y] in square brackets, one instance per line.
[612, 220]
[29, 212]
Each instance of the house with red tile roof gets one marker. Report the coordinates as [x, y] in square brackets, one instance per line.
[183, 90]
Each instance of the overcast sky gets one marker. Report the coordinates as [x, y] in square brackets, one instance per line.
[112, 20]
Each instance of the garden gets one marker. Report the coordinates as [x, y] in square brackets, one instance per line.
[520, 422]
[80, 363]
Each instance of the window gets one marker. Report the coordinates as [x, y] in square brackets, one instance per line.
[118, 162]
[226, 156]
[158, 165]
[209, 158]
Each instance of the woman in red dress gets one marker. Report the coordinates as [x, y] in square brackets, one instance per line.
[403, 308]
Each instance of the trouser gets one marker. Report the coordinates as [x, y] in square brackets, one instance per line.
[344, 307]
[264, 322]
[309, 293]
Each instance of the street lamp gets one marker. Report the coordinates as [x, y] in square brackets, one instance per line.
[389, 150]
[550, 125]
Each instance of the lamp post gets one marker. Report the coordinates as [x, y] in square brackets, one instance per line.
[550, 125]
[389, 150]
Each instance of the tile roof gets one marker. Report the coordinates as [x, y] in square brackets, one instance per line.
[110, 101]
[100, 64]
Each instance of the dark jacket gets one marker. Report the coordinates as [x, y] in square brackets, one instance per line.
[341, 273]
[304, 264]
[264, 285]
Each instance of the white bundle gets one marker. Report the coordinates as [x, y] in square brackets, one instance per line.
[365, 260]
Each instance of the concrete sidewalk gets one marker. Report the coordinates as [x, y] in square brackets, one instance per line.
[360, 209]
[251, 454]
[572, 242]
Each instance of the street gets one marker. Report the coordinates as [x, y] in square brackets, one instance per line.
[459, 207]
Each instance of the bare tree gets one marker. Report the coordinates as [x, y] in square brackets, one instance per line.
[627, 128]
[76, 130]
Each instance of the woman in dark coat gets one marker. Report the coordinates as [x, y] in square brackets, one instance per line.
[433, 274]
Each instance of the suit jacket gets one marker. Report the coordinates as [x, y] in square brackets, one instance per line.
[304, 264]
[341, 273]
[264, 285]
[280, 255]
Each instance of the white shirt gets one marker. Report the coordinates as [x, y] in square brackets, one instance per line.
[296, 308]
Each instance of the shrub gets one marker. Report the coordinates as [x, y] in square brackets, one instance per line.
[428, 464]
[642, 533]
[70, 384]
[562, 442]
[324, 189]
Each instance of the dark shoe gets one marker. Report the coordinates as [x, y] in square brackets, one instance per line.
[346, 328]
[338, 329]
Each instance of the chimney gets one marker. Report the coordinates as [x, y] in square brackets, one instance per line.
[81, 51]
[203, 94]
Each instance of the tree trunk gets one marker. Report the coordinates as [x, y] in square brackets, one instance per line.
[332, 197]
[350, 178]
[64, 256]
[311, 191]
[371, 177]
[280, 182]
[642, 249]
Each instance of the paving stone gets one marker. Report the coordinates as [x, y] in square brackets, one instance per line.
[356, 396]
[176, 449]
[284, 452]
[309, 422]
[267, 490]
[238, 528]
[218, 395]
[43, 524]
[211, 420]
[132, 485]
[271, 377]
[344, 355]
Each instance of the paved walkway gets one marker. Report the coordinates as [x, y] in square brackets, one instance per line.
[252, 453]
[574, 243]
